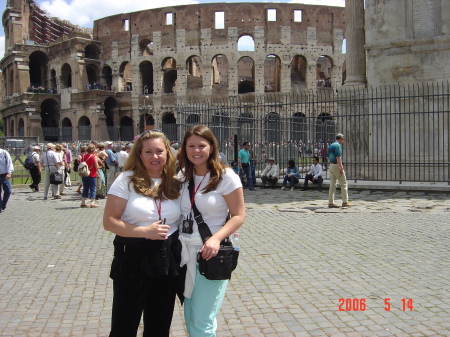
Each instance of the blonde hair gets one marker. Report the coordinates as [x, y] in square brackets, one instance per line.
[214, 164]
[170, 184]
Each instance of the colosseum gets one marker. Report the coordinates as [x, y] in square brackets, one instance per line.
[131, 72]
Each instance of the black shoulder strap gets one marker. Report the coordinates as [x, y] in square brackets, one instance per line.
[203, 228]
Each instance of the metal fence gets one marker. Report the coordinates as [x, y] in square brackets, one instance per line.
[392, 133]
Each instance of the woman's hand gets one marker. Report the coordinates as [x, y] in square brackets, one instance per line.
[157, 231]
[210, 248]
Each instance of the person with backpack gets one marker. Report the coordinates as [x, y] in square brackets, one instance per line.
[34, 164]
[6, 170]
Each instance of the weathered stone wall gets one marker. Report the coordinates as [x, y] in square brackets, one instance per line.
[407, 41]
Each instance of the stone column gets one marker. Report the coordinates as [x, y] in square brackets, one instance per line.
[355, 36]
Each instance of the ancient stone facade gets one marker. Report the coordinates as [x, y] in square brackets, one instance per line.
[131, 71]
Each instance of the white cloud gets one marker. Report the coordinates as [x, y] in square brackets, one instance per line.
[84, 12]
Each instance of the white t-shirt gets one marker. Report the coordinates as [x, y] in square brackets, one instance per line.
[141, 210]
[212, 205]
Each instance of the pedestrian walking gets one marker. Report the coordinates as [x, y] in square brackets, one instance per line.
[337, 173]
[6, 170]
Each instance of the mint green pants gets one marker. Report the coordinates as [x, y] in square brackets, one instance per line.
[201, 309]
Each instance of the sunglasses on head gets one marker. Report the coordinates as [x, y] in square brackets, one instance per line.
[148, 131]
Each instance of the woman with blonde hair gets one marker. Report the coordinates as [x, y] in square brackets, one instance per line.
[143, 210]
[215, 190]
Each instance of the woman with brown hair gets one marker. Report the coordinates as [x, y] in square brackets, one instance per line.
[143, 210]
[216, 190]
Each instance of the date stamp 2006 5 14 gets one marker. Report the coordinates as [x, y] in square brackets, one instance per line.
[360, 304]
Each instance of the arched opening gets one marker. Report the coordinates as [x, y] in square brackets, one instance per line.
[325, 128]
[323, 72]
[107, 77]
[66, 76]
[53, 82]
[194, 76]
[146, 47]
[246, 43]
[147, 122]
[246, 127]
[220, 74]
[92, 52]
[50, 120]
[299, 127]
[298, 73]
[169, 66]
[193, 119]
[38, 69]
[111, 113]
[21, 128]
[246, 75]
[146, 72]
[220, 126]
[84, 129]
[126, 129]
[66, 130]
[125, 77]
[272, 127]
[272, 73]
[92, 75]
[12, 129]
[169, 126]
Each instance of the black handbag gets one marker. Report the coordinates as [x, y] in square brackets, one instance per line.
[222, 265]
[56, 178]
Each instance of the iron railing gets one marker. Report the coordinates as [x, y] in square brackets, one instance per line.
[392, 133]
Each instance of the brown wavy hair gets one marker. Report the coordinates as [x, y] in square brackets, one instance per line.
[215, 166]
[170, 184]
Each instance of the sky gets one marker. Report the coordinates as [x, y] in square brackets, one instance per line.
[84, 12]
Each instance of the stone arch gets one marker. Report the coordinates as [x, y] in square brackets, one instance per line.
[21, 128]
[66, 130]
[323, 71]
[326, 128]
[298, 72]
[169, 126]
[246, 75]
[169, 68]
[84, 128]
[194, 72]
[147, 121]
[272, 73]
[299, 127]
[126, 129]
[38, 64]
[146, 47]
[146, 74]
[272, 127]
[92, 75]
[66, 76]
[246, 43]
[50, 116]
[91, 51]
[219, 65]
[107, 76]
[125, 77]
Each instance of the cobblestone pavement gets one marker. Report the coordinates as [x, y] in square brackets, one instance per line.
[306, 270]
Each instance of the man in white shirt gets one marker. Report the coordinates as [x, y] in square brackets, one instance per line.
[314, 175]
[51, 161]
[6, 169]
[123, 155]
[270, 174]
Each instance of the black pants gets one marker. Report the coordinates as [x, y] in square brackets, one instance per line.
[269, 180]
[156, 299]
[309, 177]
[36, 177]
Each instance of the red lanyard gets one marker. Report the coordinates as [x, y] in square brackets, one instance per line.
[158, 207]
[196, 189]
